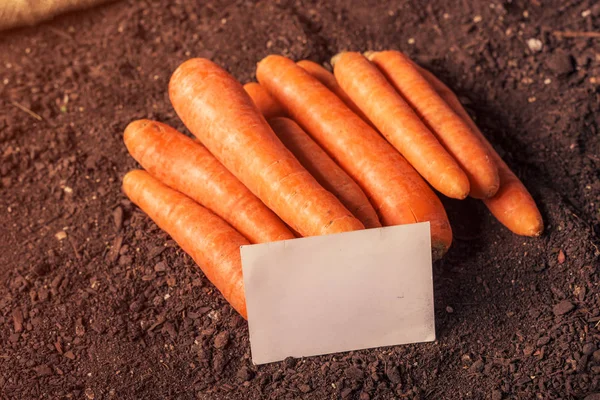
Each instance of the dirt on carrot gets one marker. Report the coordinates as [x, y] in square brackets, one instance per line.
[217, 110]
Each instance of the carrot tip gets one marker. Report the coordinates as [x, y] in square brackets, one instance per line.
[335, 58]
[538, 230]
[137, 124]
[369, 54]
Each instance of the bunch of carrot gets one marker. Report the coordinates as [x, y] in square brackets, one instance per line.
[306, 152]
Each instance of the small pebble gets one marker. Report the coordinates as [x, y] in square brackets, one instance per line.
[561, 257]
[89, 393]
[245, 374]
[160, 267]
[534, 45]
[354, 373]
[561, 63]
[62, 235]
[221, 339]
[476, 367]
[544, 340]
[304, 388]
[118, 217]
[563, 308]
[393, 374]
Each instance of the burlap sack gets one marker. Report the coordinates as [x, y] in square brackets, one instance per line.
[14, 13]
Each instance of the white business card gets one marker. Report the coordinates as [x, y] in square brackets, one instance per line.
[342, 292]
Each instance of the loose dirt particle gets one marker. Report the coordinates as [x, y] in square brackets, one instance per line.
[221, 340]
[563, 307]
[561, 257]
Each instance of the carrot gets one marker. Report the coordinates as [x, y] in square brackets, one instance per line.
[512, 205]
[211, 242]
[454, 134]
[189, 168]
[399, 124]
[267, 105]
[215, 108]
[398, 193]
[328, 79]
[325, 170]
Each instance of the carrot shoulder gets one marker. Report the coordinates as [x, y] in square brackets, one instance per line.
[266, 104]
[188, 167]
[211, 242]
[325, 170]
[398, 193]
[399, 124]
[454, 134]
[328, 79]
[512, 205]
[217, 110]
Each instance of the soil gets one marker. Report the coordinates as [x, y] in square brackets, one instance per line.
[97, 303]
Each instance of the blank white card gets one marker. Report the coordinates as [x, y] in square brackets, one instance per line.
[333, 293]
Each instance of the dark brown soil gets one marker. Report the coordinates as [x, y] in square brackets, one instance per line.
[115, 310]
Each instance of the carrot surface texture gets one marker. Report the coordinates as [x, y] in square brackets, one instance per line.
[266, 104]
[398, 192]
[330, 175]
[321, 74]
[512, 205]
[188, 167]
[217, 110]
[451, 130]
[211, 242]
[399, 124]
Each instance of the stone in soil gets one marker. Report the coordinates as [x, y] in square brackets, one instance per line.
[563, 308]
[561, 63]
[221, 340]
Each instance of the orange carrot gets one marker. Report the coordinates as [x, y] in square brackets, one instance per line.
[215, 108]
[399, 124]
[211, 242]
[325, 170]
[399, 194]
[188, 167]
[328, 79]
[454, 134]
[512, 205]
[267, 105]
